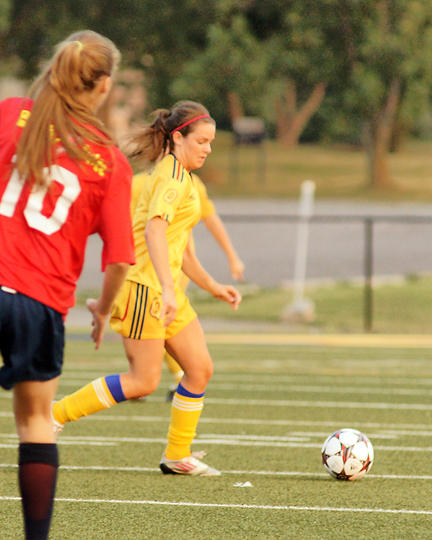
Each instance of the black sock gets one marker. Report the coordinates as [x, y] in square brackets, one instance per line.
[38, 465]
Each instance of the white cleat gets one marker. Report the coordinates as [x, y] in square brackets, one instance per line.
[57, 427]
[187, 466]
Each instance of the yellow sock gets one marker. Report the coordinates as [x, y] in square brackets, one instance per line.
[174, 367]
[100, 394]
[185, 413]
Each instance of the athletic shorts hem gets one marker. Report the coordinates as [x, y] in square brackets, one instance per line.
[10, 385]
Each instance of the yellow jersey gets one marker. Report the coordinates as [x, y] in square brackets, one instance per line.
[168, 192]
[207, 206]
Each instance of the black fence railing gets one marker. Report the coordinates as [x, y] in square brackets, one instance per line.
[368, 222]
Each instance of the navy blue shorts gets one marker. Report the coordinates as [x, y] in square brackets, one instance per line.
[31, 340]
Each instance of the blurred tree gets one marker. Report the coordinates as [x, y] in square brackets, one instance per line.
[364, 65]
[229, 75]
[272, 58]
[35, 27]
[155, 36]
[303, 57]
[387, 44]
[5, 6]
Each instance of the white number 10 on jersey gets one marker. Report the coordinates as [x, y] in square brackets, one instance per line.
[33, 210]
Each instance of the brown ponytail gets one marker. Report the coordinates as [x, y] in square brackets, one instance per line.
[155, 138]
[57, 111]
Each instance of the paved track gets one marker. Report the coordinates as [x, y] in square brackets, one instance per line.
[336, 250]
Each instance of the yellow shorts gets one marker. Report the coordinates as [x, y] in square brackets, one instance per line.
[136, 313]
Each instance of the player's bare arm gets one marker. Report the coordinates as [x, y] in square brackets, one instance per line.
[100, 309]
[216, 227]
[155, 235]
[193, 269]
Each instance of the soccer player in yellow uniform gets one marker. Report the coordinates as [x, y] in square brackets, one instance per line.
[216, 227]
[152, 312]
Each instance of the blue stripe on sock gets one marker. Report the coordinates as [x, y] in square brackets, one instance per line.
[183, 392]
[114, 385]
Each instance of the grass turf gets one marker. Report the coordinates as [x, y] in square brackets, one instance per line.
[338, 171]
[268, 410]
[398, 307]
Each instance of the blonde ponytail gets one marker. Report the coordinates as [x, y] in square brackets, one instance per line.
[58, 114]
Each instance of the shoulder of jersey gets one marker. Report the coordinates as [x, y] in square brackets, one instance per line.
[16, 109]
[198, 182]
[171, 167]
[17, 103]
[121, 160]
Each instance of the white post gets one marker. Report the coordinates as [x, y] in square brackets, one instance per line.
[301, 308]
[305, 212]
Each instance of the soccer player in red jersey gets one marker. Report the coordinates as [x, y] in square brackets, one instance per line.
[61, 179]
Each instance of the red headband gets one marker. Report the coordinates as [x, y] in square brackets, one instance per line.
[190, 122]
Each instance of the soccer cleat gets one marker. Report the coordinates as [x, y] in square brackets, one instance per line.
[188, 466]
[170, 394]
[199, 454]
[57, 427]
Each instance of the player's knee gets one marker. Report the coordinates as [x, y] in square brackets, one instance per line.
[201, 375]
[139, 387]
[208, 371]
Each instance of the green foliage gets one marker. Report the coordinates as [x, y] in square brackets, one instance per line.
[5, 6]
[231, 61]
[390, 44]
[253, 49]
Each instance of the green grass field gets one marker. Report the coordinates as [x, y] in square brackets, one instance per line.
[339, 307]
[268, 410]
[338, 171]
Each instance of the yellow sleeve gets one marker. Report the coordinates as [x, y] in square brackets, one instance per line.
[137, 186]
[207, 206]
[168, 193]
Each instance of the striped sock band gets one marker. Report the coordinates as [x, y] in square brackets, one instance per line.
[98, 395]
[187, 401]
[114, 385]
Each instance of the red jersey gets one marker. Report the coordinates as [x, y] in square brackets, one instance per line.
[43, 232]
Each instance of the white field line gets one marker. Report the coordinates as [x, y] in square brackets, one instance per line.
[305, 436]
[300, 403]
[222, 440]
[265, 377]
[321, 404]
[105, 468]
[76, 442]
[363, 390]
[311, 404]
[241, 506]
[373, 380]
[421, 430]
[321, 389]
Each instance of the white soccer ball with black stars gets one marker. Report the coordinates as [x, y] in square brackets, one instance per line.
[347, 454]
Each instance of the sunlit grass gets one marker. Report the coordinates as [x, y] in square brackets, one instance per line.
[397, 307]
[271, 170]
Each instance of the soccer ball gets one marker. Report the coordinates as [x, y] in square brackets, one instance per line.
[347, 454]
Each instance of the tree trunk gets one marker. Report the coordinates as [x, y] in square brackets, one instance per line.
[235, 106]
[379, 137]
[291, 120]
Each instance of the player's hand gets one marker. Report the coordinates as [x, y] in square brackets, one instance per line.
[169, 307]
[237, 268]
[98, 322]
[228, 294]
